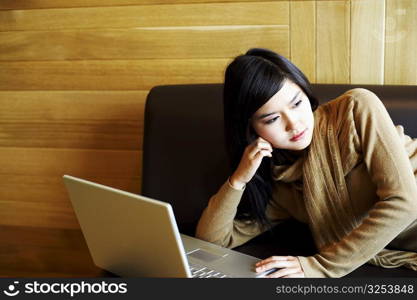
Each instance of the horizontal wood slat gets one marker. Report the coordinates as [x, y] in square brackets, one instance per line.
[141, 43]
[108, 75]
[273, 13]
[79, 119]
[33, 192]
[20, 213]
[38, 162]
[45, 252]
[34, 4]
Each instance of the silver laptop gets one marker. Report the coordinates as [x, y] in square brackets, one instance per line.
[135, 236]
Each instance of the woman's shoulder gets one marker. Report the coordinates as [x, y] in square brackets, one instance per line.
[357, 100]
[342, 112]
[358, 92]
[346, 109]
[350, 108]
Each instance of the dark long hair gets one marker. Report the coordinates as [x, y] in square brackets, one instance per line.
[250, 81]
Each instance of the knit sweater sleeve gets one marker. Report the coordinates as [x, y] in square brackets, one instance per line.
[218, 224]
[390, 169]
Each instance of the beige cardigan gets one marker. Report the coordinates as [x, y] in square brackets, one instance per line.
[218, 224]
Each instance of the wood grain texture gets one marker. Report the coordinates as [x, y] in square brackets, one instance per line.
[34, 4]
[333, 41]
[303, 37]
[75, 74]
[367, 41]
[401, 42]
[75, 119]
[45, 252]
[32, 182]
[108, 75]
[204, 14]
[141, 43]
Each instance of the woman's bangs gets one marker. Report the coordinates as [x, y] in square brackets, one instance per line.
[265, 85]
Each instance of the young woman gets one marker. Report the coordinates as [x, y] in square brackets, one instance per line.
[341, 167]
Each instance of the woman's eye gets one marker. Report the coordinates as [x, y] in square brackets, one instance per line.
[271, 121]
[298, 103]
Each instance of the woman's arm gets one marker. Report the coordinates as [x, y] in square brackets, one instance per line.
[390, 169]
[218, 225]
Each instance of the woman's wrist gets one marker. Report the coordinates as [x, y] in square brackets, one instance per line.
[236, 184]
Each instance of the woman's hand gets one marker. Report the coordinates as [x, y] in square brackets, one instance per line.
[289, 267]
[250, 162]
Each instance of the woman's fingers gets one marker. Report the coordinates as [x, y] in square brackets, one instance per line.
[260, 148]
[284, 273]
[289, 266]
[263, 153]
[256, 152]
[275, 264]
[262, 144]
[251, 160]
[275, 259]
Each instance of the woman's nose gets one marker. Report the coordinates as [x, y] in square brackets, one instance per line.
[292, 123]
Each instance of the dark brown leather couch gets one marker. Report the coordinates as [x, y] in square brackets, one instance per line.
[184, 159]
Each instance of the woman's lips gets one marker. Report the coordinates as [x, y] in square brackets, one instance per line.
[298, 137]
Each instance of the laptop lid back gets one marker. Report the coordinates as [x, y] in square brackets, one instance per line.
[128, 234]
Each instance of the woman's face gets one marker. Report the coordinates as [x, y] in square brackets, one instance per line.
[284, 117]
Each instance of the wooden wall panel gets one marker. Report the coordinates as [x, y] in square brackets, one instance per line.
[273, 13]
[108, 75]
[35, 196]
[25, 254]
[401, 42]
[33, 4]
[74, 82]
[333, 41]
[74, 119]
[75, 74]
[141, 43]
[303, 37]
[367, 42]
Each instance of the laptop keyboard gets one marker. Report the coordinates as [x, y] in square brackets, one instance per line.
[204, 272]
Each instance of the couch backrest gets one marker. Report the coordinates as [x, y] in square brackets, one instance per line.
[184, 159]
